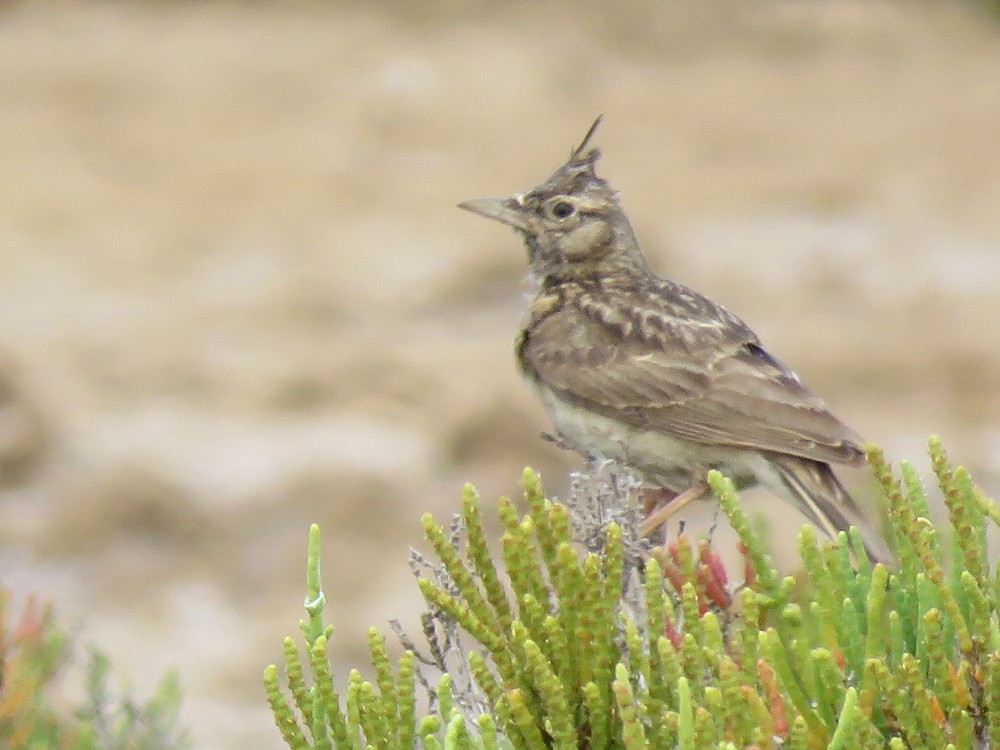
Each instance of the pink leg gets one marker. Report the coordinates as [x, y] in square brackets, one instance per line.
[662, 514]
[654, 497]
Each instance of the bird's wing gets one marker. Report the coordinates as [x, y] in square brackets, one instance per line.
[708, 383]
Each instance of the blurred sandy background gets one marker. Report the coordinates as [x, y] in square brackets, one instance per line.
[236, 295]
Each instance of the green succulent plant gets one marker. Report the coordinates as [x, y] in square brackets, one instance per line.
[576, 635]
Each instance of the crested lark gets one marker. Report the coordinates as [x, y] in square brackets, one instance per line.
[640, 369]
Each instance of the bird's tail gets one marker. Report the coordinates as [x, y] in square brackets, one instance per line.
[822, 498]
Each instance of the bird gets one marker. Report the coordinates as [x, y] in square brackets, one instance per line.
[644, 371]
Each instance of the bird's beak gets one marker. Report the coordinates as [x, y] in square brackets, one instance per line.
[505, 210]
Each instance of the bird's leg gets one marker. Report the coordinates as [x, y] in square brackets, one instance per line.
[655, 497]
[656, 518]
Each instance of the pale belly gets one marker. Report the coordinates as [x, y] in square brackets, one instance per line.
[661, 459]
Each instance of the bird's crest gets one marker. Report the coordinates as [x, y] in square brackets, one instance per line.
[579, 170]
[591, 156]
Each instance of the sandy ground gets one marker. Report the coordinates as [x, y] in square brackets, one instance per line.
[237, 297]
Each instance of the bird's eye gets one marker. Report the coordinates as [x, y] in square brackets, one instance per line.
[563, 209]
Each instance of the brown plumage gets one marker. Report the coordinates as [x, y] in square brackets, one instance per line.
[643, 370]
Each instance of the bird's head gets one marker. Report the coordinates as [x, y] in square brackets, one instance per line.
[573, 225]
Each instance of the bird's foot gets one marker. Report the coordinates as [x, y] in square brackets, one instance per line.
[559, 440]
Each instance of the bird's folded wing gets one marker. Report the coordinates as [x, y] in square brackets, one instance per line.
[732, 393]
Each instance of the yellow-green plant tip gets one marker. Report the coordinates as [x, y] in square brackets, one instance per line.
[922, 540]
[487, 732]
[654, 574]
[662, 665]
[383, 673]
[553, 697]
[792, 614]
[685, 559]
[444, 696]
[694, 661]
[486, 680]
[915, 492]
[353, 701]
[598, 714]
[714, 699]
[874, 612]
[845, 735]
[482, 562]
[296, 680]
[460, 575]
[899, 642]
[857, 547]
[828, 686]
[470, 505]
[614, 533]
[568, 577]
[531, 622]
[622, 673]
[936, 661]
[406, 712]
[327, 701]
[705, 733]
[541, 515]
[633, 734]
[757, 722]
[691, 608]
[732, 701]
[520, 558]
[989, 508]
[561, 524]
[868, 693]
[533, 493]
[917, 705]
[530, 480]
[519, 637]
[374, 723]
[459, 610]
[507, 513]
[595, 628]
[812, 557]
[524, 721]
[429, 728]
[456, 736]
[430, 725]
[798, 735]
[713, 640]
[614, 567]
[968, 521]
[561, 655]
[284, 716]
[685, 709]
